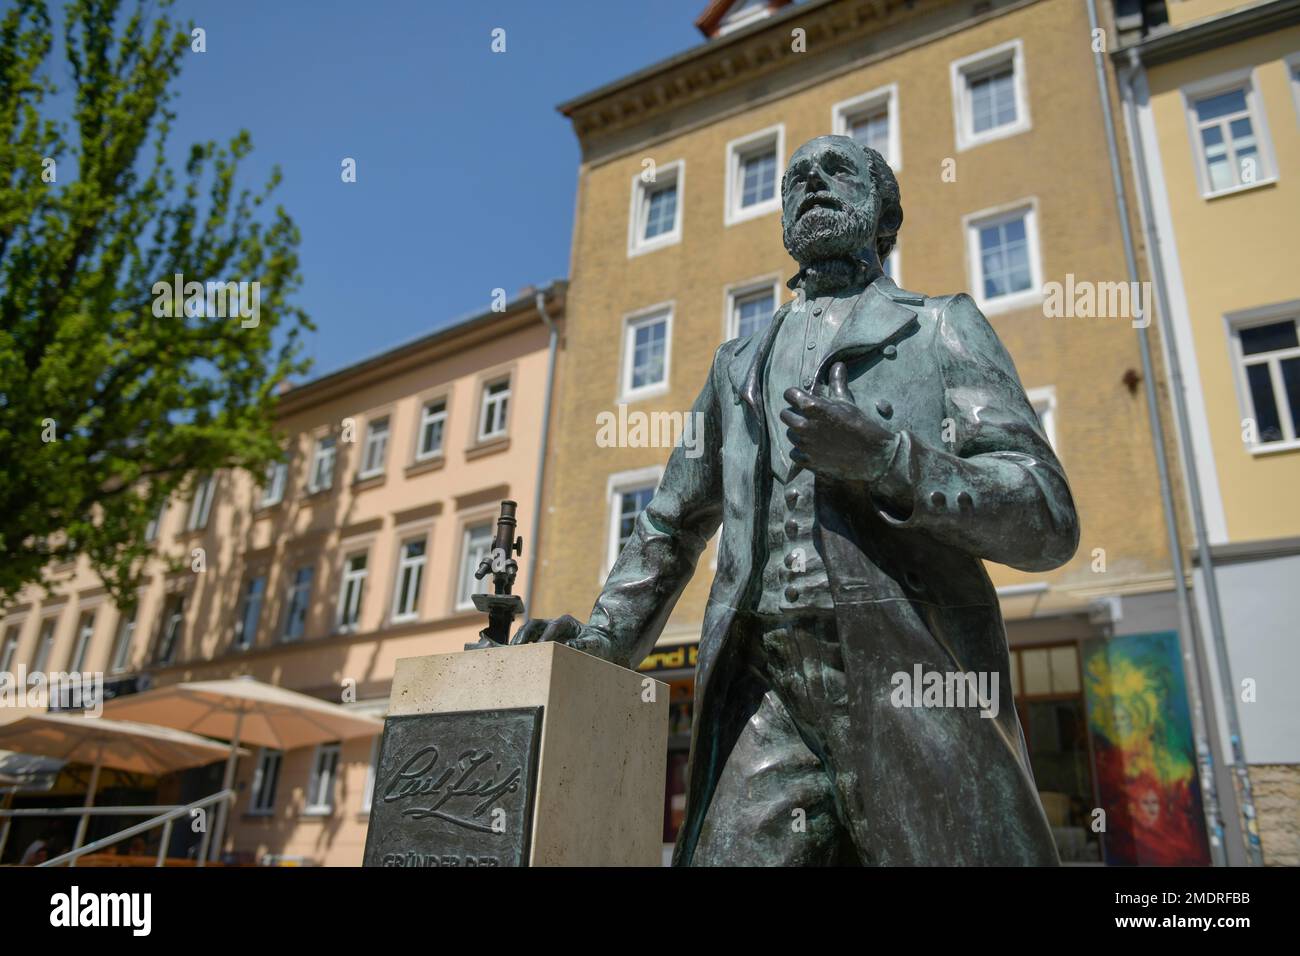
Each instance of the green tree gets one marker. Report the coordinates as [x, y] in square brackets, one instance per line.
[107, 407]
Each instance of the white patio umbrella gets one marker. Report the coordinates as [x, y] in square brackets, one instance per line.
[118, 744]
[243, 710]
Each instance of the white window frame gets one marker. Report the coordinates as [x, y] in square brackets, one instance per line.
[347, 577]
[318, 787]
[974, 261]
[744, 290]
[291, 592]
[205, 490]
[465, 582]
[1044, 402]
[277, 475]
[844, 112]
[419, 566]
[485, 400]
[631, 322]
[373, 439]
[319, 453]
[171, 629]
[85, 633]
[421, 453]
[244, 639]
[46, 636]
[1268, 315]
[737, 151]
[258, 804]
[13, 635]
[372, 775]
[962, 70]
[1193, 93]
[640, 209]
[615, 487]
[123, 638]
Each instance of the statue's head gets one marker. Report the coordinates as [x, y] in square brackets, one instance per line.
[839, 199]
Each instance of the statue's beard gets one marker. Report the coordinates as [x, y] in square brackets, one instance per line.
[822, 235]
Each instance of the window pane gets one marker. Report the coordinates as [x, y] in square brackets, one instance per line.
[872, 130]
[631, 505]
[753, 313]
[1261, 396]
[758, 178]
[662, 212]
[993, 99]
[1268, 338]
[1291, 381]
[1224, 104]
[648, 351]
[478, 543]
[1004, 258]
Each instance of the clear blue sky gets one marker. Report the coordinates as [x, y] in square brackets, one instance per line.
[465, 172]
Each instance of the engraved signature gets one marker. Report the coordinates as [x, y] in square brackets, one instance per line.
[420, 776]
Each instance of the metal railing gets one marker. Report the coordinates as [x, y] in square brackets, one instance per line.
[165, 819]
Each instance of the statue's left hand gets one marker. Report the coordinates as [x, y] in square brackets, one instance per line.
[832, 436]
[564, 630]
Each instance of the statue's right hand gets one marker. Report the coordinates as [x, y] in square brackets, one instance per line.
[566, 630]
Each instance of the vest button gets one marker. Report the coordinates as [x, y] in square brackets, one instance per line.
[964, 501]
[884, 408]
[792, 594]
[890, 351]
[791, 497]
[789, 560]
[937, 499]
[792, 528]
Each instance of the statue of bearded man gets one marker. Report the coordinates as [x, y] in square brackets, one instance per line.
[863, 455]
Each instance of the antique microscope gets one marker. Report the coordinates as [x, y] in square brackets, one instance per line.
[501, 606]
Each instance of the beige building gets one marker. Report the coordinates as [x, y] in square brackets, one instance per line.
[1214, 95]
[358, 549]
[992, 119]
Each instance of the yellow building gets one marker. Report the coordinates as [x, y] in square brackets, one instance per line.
[992, 118]
[356, 550]
[1214, 97]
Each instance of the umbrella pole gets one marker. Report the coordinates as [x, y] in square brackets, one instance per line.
[227, 782]
[90, 801]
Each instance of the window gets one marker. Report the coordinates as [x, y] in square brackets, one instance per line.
[1003, 252]
[122, 645]
[299, 599]
[354, 582]
[433, 422]
[754, 175]
[10, 648]
[1229, 135]
[44, 645]
[655, 220]
[872, 120]
[492, 416]
[367, 792]
[81, 644]
[265, 778]
[1044, 402]
[628, 494]
[476, 545]
[324, 772]
[989, 95]
[277, 473]
[376, 447]
[173, 621]
[645, 353]
[750, 309]
[1268, 355]
[322, 465]
[410, 576]
[201, 503]
[250, 611]
[155, 524]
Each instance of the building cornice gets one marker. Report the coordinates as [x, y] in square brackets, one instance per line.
[1212, 33]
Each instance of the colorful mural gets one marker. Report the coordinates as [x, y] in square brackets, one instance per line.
[1144, 755]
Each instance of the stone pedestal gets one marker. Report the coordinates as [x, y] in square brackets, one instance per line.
[535, 755]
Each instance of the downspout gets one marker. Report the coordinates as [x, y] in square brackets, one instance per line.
[541, 453]
[1178, 400]
[1190, 646]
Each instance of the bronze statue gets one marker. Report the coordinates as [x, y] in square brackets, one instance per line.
[863, 454]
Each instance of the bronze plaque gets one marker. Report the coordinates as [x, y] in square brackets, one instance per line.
[455, 789]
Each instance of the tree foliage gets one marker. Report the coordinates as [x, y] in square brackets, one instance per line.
[108, 408]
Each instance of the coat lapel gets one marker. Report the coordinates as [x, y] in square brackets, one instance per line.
[747, 364]
[876, 320]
